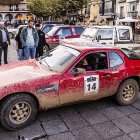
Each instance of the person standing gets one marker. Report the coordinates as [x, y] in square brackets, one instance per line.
[42, 41]
[29, 39]
[4, 42]
[20, 49]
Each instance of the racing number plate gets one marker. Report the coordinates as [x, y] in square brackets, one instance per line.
[91, 84]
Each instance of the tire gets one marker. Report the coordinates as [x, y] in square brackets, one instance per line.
[127, 92]
[17, 111]
[11, 35]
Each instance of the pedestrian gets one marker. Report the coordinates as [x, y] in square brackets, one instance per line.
[20, 49]
[4, 42]
[42, 41]
[29, 39]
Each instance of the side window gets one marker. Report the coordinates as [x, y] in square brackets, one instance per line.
[94, 61]
[78, 30]
[64, 32]
[105, 34]
[124, 34]
[115, 59]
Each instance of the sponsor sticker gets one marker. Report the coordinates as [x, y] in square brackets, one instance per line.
[46, 89]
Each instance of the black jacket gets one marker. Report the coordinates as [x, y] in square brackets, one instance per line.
[1, 39]
[18, 39]
[42, 41]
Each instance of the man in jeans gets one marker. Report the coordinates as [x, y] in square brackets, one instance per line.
[4, 42]
[29, 39]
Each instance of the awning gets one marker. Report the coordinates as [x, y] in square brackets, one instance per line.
[127, 19]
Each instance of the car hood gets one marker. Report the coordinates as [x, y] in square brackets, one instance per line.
[22, 71]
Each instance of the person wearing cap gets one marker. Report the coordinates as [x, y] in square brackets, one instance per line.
[42, 41]
[29, 39]
[4, 42]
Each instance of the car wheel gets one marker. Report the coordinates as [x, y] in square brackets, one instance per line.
[127, 92]
[17, 111]
[11, 35]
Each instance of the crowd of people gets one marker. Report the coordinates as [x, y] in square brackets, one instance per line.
[30, 42]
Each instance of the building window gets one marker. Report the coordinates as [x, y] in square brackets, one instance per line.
[122, 12]
[108, 7]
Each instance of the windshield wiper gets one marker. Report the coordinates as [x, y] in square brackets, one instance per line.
[47, 64]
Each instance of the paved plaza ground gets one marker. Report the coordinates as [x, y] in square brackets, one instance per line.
[97, 120]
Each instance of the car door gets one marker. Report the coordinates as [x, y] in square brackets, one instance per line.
[94, 83]
[117, 68]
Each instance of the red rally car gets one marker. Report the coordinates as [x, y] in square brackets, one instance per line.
[68, 73]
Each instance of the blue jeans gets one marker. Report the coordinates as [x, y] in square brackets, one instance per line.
[20, 54]
[30, 51]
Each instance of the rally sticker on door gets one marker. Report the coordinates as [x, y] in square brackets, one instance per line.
[91, 84]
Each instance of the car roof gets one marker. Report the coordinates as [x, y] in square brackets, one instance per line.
[87, 46]
[69, 26]
[105, 26]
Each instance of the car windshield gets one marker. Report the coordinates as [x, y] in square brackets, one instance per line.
[89, 32]
[52, 31]
[133, 55]
[59, 58]
[47, 28]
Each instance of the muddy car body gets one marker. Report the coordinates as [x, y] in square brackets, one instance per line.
[62, 76]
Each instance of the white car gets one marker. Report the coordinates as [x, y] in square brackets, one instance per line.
[13, 32]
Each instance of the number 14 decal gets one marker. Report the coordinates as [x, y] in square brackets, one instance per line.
[91, 84]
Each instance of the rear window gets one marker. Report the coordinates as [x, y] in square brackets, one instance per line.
[47, 28]
[124, 34]
[133, 55]
[79, 30]
[52, 31]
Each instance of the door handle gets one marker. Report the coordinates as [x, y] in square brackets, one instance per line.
[105, 76]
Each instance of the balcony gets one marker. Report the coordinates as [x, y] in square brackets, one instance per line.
[132, 1]
[132, 14]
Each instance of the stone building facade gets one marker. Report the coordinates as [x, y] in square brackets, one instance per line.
[128, 8]
[14, 9]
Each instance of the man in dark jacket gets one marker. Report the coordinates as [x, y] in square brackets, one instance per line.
[42, 41]
[29, 39]
[20, 49]
[4, 42]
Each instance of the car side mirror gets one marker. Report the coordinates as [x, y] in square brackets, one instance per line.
[78, 71]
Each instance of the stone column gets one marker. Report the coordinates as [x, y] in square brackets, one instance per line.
[94, 11]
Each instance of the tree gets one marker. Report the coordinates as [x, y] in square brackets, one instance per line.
[38, 7]
[55, 7]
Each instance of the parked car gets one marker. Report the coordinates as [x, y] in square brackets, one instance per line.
[12, 32]
[62, 32]
[67, 74]
[117, 36]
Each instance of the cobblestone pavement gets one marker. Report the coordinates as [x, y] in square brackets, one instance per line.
[97, 120]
